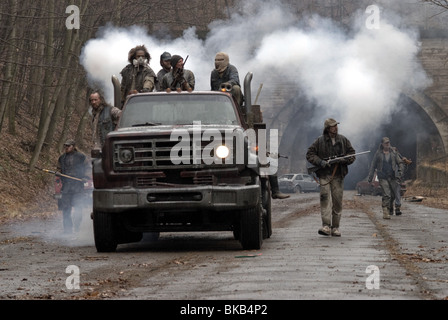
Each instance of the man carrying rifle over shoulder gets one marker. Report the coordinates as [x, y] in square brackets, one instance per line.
[178, 78]
[331, 175]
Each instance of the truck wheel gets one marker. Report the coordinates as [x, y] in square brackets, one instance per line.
[251, 236]
[104, 232]
[237, 231]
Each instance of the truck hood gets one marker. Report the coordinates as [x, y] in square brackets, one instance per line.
[168, 129]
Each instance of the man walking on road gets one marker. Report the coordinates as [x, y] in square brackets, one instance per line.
[331, 144]
[389, 168]
[72, 163]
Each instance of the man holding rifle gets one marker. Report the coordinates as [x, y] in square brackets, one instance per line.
[178, 78]
[331, 174]
[72, 164]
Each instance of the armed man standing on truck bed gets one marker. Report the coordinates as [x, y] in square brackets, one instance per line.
[178, 78]
[137, 76]
[165, 63]
[226, 74]
[331, 176]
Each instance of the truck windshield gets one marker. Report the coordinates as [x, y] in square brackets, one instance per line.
[177, 109]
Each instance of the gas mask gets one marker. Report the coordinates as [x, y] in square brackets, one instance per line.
[139, 62]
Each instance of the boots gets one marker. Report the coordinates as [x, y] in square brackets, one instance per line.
[276, 194]
[386, 214]
[397, 210]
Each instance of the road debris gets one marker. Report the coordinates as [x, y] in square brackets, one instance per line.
[414, 199]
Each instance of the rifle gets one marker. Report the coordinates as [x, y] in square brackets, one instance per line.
[59, 174]
[334, 159]
[178, 75]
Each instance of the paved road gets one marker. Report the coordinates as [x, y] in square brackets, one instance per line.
[403, 258]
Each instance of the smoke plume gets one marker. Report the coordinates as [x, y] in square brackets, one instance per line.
[355, 75]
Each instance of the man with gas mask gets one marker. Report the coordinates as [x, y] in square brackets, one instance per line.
[137, 76]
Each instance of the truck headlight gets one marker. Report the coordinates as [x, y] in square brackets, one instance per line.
[126, 155]
[222, 152]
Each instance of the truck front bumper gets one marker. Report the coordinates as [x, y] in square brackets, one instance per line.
[212, 198]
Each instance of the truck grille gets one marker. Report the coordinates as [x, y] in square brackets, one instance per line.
[151, 154]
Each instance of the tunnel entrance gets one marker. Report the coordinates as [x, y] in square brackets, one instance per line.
[410, 129]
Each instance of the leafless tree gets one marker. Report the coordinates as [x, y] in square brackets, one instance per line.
[440, 3]
[40, 72]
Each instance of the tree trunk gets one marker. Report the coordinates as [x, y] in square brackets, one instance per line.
[61, 92]
[47, 107]
[5, 94]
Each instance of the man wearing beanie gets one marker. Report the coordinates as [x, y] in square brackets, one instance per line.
[72, 163]
[165, 63]
[178, 78]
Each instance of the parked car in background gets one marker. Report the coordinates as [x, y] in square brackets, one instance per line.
[298, 182]
[373, 188]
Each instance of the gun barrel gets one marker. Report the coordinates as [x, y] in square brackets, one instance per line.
[59, 174]
[315, 168]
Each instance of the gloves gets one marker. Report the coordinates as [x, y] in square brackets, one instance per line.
[324, 164]
[369, 180]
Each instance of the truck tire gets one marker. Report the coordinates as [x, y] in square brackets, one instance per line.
[251, 236]
[104, 232]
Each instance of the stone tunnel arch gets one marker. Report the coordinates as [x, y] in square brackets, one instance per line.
[419, 130]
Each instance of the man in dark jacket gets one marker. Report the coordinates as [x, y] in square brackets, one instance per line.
[178, 78]
[137, 76]
[331, 144]
[72, 163]
[226, 74]
[165, 63]
[389, 169]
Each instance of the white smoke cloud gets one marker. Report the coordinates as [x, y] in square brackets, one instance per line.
[355, 76]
